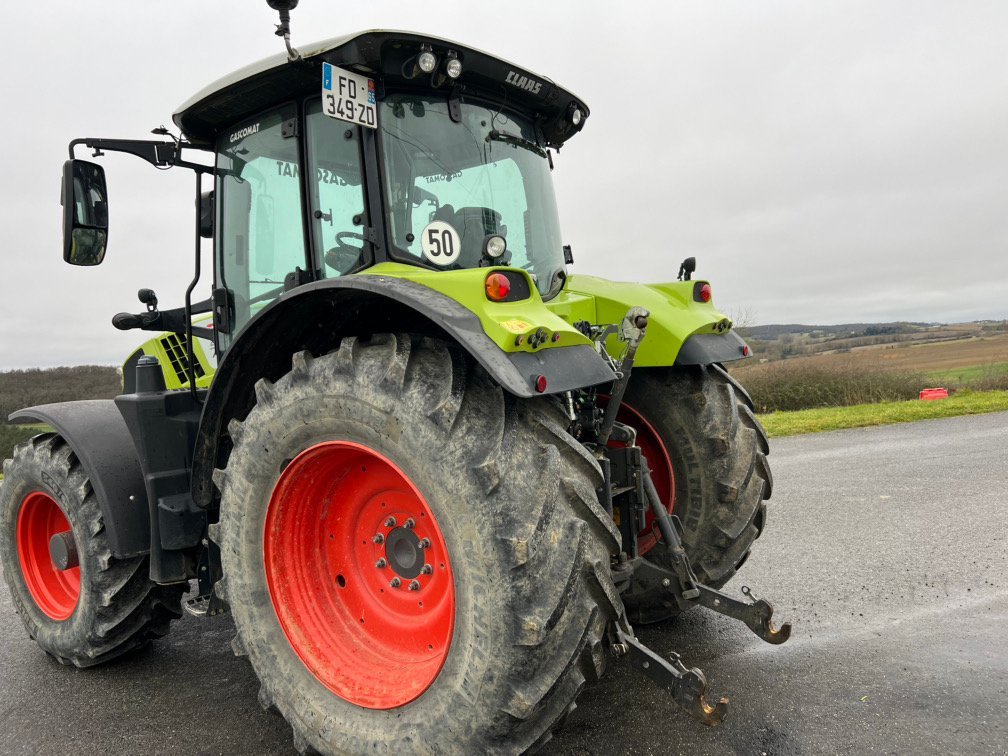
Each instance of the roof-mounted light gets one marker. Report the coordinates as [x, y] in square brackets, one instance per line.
[574, 114]
[453, 66]
[426, 61]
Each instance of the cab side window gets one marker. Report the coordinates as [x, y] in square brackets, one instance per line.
[337, 192]
[261, 237]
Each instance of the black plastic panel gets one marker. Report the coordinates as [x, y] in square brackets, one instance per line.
[707, 348]
[99, 437]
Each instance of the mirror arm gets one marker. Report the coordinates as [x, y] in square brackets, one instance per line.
[160, 154]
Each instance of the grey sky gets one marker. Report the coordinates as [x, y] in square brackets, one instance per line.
[824, 161]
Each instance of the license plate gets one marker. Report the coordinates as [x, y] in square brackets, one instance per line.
[348, 96]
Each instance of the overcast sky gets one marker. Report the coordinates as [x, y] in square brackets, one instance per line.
[824, 161]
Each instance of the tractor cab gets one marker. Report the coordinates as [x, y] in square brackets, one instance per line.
[379, 147]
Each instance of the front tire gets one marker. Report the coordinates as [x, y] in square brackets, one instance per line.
[85, 615]
[520, 589]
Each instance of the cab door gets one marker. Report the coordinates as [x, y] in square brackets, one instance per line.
[260, 246]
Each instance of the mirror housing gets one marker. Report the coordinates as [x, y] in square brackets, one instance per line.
[85, 213]
[206, 213]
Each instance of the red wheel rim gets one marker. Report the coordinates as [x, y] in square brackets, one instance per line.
[359, 575]
[659, 463]
[55, 591]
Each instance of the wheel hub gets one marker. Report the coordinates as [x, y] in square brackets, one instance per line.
[405, 556]
[359, 574]
[52, 577]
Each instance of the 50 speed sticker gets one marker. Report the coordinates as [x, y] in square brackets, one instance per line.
[441, 243]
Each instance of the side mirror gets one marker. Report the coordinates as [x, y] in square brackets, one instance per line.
[85, 213]
[206, 215]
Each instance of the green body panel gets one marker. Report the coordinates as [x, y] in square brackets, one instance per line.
[170, 352]
[503, 322]
[674, 315]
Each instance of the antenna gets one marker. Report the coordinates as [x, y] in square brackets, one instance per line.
[284, 7]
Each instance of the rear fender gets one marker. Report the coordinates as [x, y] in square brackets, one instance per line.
[98, 435]
[316, 316]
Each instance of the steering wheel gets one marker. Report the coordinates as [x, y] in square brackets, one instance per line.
[343, 257]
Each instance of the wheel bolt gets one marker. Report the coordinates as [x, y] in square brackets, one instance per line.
[426, 570]
[390, 522]
[379, 538]
[425, 543]
[409, 524]
[381, 564]
[395, 582]
[414, 585]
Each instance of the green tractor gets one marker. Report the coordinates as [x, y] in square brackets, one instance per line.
[434, 478]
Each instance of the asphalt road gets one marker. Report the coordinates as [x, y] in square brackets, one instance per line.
[887, 547]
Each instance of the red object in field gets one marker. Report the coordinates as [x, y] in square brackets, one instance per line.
[930, 394]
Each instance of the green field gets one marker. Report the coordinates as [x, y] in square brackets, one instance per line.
[883, 413]
[969, 374]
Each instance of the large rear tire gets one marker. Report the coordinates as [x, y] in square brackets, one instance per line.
[708, 455]
[84, 615]
[357, 645]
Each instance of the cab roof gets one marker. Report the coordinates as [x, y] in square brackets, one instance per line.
[385, 56]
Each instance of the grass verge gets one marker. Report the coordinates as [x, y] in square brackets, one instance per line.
[883, 413]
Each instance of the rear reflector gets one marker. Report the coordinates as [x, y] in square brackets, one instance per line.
[540, 384]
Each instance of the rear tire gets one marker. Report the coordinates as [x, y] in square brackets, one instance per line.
[518, 523]
[718, 454]
[82, 616]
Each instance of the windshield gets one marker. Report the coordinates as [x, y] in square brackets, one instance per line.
[485, 175]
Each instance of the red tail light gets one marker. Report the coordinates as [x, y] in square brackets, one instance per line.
[705, 293]
[497, 287]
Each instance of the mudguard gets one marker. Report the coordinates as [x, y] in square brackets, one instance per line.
[708, 348]
[316, 315]
[98, 435]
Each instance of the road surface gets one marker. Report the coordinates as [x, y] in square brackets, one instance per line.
[887, 547]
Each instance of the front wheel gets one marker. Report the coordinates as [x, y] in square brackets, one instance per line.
[415, 562]
[708, 457]
[82, 605]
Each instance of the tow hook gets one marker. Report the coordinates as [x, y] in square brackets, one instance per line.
[682, 583]
[687, 686]
[756, 613]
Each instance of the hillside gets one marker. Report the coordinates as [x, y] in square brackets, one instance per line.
[776, 342]
[26, 388]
